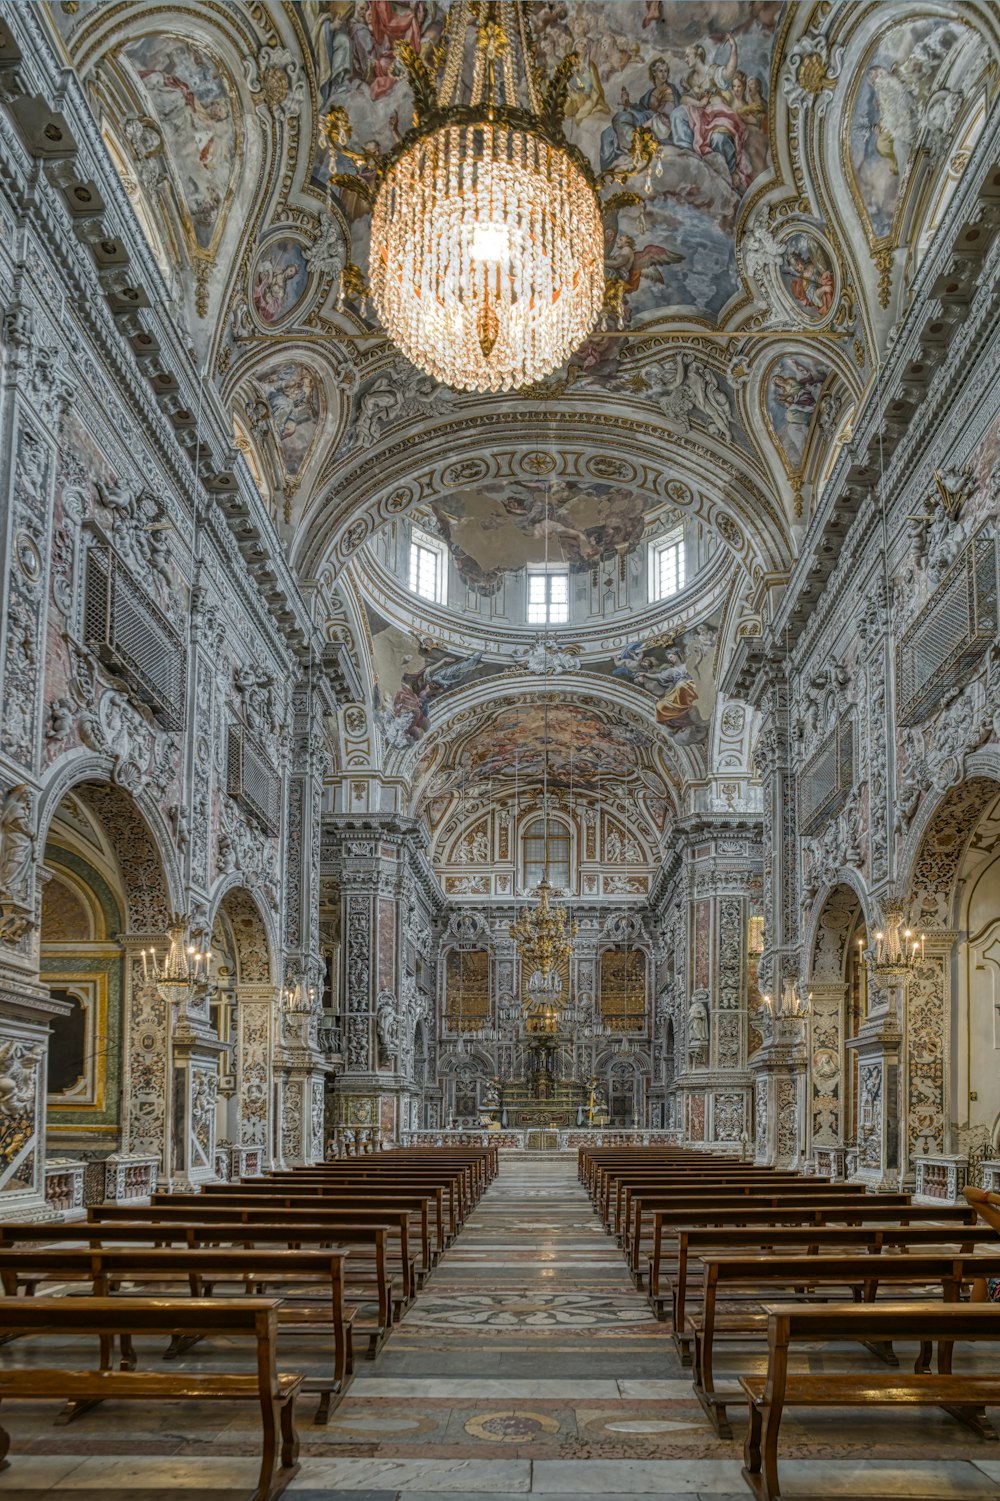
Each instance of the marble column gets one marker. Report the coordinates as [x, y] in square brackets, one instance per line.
[722, 857]
[371, 857]
[878, 1046]
[827, 1083]
[779, 1074]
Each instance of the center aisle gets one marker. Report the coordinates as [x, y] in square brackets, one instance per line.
[529, 1364]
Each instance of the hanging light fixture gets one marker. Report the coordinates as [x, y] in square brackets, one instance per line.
[486, 265]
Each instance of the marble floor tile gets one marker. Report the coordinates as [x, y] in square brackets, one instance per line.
[36, 1472]
[633, 1477]
[199, 1472]
[655, 1391]
[990, 1467]
[583, 1391]
[882, 1477]
[470, 1477]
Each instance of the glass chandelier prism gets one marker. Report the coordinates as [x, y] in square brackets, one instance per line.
[486, 266]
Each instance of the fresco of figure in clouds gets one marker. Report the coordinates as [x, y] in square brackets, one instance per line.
[794, 386]
[410, 673]
[910, 95]
[577, 745]
[679, 673]
[808, 275]
[292, 392]
[190, 102]
[279, 280]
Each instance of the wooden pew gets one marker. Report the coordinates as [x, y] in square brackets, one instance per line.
[672, 1287]
[320, 1227]
[439, 1221]
[445, 1193]
[791, 1198]
[668, 1224]
[366, 1277]
[59, 1318]
[861, 1275]
[200, 1269]
[384, 1207]
[726, 1189]
[964, 1395]
[619, 1186]
[589, 1159]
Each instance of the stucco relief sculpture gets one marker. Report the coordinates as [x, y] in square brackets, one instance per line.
[17, 865]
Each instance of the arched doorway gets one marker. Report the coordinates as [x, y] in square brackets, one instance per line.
[838, 1008]
[81, 963]
[951, 1064]
[111, 886]
[246, 1014]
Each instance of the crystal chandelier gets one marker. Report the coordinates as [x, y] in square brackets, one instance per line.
[486, 266]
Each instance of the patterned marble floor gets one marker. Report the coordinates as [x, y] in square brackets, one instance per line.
[529, 1366]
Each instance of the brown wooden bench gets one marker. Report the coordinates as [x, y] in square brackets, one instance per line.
[440, 1219]
[201, 1269]
[671, 1286]
[620, 1186]
[447, 1200]
[762, 1276]
[463, 1184]
[668, 1223]
[792, 1197]
[61, 1318]
[963, 1394]
[276, 1204]
[366, 1278]
[397, 1223]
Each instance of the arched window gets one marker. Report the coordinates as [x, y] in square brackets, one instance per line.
[556, 844]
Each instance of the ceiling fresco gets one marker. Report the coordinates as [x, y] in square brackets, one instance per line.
[500, 529]
[697, 75]
[411, 672]
[581, 747]
[193, 108]
[909, 93]
[803, 149]
[677, 670]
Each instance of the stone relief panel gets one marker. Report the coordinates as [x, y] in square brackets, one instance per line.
[928, 1009]
[26, 589]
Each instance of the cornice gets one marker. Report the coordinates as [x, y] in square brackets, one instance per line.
[910, 399]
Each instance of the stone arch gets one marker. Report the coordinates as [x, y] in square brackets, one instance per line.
[832, 922]
[938, 839]
[138, 834]
[82, 966]
[951, 1093]
[247, 994]
[836, 982]
[252, 941]
[669, 1054]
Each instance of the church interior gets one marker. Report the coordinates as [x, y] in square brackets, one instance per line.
[500, 749]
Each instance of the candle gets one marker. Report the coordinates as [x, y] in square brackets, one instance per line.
[145, 966]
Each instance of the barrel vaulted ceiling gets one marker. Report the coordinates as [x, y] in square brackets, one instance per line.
[780, 229]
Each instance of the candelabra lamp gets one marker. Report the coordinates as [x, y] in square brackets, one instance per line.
[189, 1051]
